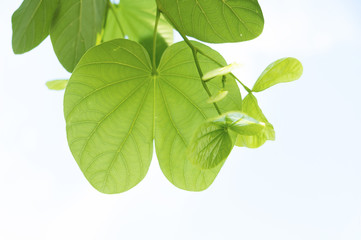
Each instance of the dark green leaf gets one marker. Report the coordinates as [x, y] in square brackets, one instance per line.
[31, 24]
[215, 21]
[75, 29]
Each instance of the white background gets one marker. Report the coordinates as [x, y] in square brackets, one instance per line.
[304, 186]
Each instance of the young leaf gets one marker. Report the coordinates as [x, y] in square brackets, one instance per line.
[57, 84]
[218, 97]
[250, 106]
[215, 21]
[210, 146]
[240, 123]
[136, 20]
[31, 24]
[220, 71]
[281, 71]
[75, 29]
[113, 102]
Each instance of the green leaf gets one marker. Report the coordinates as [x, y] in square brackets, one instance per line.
[210, 146]
[218, 97]
[240, 123]
[215, 21]
[281, 71]
[251, 108]
[57, 84]
[136, 20]
[113, 105]
[220, 71]
[75, 29]
[161, 46]
[31, 24]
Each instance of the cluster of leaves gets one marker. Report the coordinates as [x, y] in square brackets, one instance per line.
[131, 86]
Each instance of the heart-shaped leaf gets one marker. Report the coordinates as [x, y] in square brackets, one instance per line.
[114, 106]
[215, 21]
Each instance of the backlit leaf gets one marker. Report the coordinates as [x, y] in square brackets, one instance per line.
[210, 146]
[215, 21]
[114, 104]
[220, 71]
[31, 24]
[57, 84]
[281, 71]
[250, 106]
[218, 97]
[75, 29]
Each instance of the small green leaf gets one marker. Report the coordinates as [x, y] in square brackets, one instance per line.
[281, 71]
[240, 123]
[218, 97]
[31, 24]
[251, 108]
[215, 21]
[210, 146]
[220, 71]
[75, 29]
[57, 84]
[136, 20]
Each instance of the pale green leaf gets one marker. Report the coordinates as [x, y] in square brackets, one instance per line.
[250, 106]
[218, 97]
[240, 123]
[57, 84]
[210, 146]
[220, 71]
[113, 105]
[281, 71]
[75, 29]
[136, 20]
[31, 24]
[215, 21]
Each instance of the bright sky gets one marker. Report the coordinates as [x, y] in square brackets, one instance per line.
[304, 186]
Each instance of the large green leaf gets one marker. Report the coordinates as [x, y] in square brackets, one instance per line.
[75, 29]
[210, 146]
[216, 21]
[136, 20]
[250, 106]
[31, 24]
[281, 71]
[113, 104]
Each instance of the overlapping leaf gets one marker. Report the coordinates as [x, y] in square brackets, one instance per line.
[250, 106]
[215, 21]
[75, 29]
[113, 104]
[31, 24]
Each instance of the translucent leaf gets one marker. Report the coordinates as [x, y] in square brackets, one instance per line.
[250, 106]
[137, 20]
[281, 71]
[31, 24]
[210, 146]
[75, 29]
[57, 84]
[215, 21]
[220, 71]
[218, 97]
[240, 123]
[114, 107]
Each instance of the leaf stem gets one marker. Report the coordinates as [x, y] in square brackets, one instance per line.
[154, 70]
[195, 50]
[112, 8]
